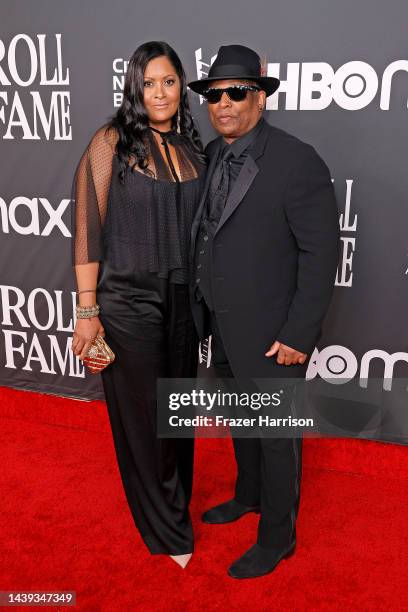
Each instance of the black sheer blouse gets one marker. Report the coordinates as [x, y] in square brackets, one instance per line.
[145, 223]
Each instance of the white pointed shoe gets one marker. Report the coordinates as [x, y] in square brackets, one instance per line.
[181, 560]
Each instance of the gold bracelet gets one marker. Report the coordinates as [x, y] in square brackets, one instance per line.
[86, 291]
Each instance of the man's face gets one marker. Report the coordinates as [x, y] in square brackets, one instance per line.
[233, 119]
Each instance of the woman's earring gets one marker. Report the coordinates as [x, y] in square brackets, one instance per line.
[178, 120]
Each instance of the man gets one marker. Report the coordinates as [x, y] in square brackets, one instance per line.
[265, 247]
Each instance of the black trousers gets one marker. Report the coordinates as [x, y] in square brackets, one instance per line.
[268, 470]
[152, 334]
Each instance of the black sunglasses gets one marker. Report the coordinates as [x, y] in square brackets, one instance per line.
[236, 93]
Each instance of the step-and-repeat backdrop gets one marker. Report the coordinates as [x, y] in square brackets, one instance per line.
[344, 88]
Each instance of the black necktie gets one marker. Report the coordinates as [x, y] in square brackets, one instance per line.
[219, 188]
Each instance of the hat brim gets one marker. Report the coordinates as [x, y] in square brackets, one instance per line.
[268, 84]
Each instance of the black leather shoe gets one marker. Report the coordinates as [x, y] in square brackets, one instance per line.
[259, 561]
[227, 512]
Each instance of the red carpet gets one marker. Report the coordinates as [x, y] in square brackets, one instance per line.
[65, 524]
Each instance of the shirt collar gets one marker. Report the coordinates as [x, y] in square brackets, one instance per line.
[243, 142]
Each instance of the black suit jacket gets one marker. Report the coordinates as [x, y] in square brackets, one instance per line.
[274, 256]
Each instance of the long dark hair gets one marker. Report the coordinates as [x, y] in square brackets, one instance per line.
[131, 120]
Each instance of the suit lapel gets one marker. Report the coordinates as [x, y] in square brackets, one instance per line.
[247, 174]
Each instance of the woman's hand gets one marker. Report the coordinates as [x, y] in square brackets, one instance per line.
[85, 333]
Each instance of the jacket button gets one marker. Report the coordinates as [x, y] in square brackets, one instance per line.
[199, 266]
[198, 280]
[205, 238]
[202, 252]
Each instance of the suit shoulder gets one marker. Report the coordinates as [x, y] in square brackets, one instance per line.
[285, 138]
[300, 151]
[212, 146]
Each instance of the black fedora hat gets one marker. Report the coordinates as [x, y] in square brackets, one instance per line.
[236, 62]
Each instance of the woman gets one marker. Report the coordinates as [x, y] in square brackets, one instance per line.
[137, 188]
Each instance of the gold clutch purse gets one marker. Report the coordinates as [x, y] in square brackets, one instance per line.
[99, 356]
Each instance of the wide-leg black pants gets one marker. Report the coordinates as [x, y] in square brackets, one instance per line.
[268, 470]
[150, 329]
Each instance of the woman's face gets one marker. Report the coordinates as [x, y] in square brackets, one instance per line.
[161, 92]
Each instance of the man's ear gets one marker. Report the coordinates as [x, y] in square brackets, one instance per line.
[262, 98]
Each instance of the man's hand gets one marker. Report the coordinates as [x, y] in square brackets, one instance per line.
[286, 354]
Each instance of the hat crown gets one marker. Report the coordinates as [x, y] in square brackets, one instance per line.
[237, 55]
[236, 62]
